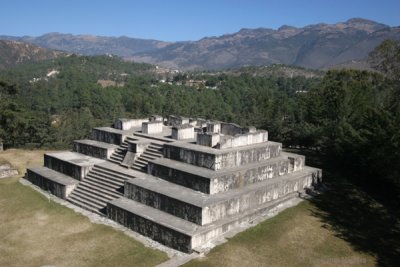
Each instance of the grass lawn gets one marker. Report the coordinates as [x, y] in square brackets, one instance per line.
[295, 237]
[36, 232]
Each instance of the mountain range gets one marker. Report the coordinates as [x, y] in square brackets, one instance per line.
[13, 52]
[315, 46]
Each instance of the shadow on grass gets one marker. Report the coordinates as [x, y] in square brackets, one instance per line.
[359, 219]
[367, 217]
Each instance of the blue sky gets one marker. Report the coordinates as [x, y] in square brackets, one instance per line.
[178, 20]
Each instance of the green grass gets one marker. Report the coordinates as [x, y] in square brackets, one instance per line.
[295, 237]
[35, 231]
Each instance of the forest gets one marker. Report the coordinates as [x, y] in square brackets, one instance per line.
[349, 118]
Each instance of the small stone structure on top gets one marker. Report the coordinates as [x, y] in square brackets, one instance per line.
[183, 182]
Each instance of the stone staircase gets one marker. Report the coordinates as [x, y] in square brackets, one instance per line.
[119, 154]
[101, 185]
[153, 151]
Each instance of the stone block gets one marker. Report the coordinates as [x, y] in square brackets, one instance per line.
[153, 127]
[138, 146]
[109, 135]
[296, 162]
[56, 183]
[94, 148]
[174, 120]
[182, 132]
[243, 139]
[71, 164]
[161, 227]
[156, 118]
[127, 124]
[230, 129]
[214, 127]
[208, 139]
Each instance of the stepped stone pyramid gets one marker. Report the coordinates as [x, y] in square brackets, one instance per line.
[182, 182]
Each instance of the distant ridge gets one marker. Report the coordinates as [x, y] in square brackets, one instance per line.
[317, 46]
[13, 52]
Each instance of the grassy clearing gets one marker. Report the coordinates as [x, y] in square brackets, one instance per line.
[36, 232]
[295, 237]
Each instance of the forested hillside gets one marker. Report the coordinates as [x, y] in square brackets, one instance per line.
[351, 118]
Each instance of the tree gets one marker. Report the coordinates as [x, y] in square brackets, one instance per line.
[386, 58]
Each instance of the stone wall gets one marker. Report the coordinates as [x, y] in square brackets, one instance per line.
[142, 225]
[156, 118]
[152, 127]
[182, 132]
[253, 198]
[107, 136]
[177, 120]
[186, 179]
[127, 124]
[57, 188]
[243, 139]
[213, 127]
[76, 171]
[208, 139]
[173, 206]
[216, 159]
[211, 182]
[93, 150]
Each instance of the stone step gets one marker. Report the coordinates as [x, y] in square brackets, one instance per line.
[138, 168]
[104, 180]
[86, 207]
[212, 182]
[157, 145]
[114, 161]
[120, 152]
[155, 149]
[151, 153]
[92, 195]
[110, 194]
[90, 198]
[140, 163]
[114, 169]
[131, 138]
[141, 160]
[102, 189]
[101, 184]
[110, 176]
[117, 157]
[147, 157]
[203, 209]
[84, 203]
